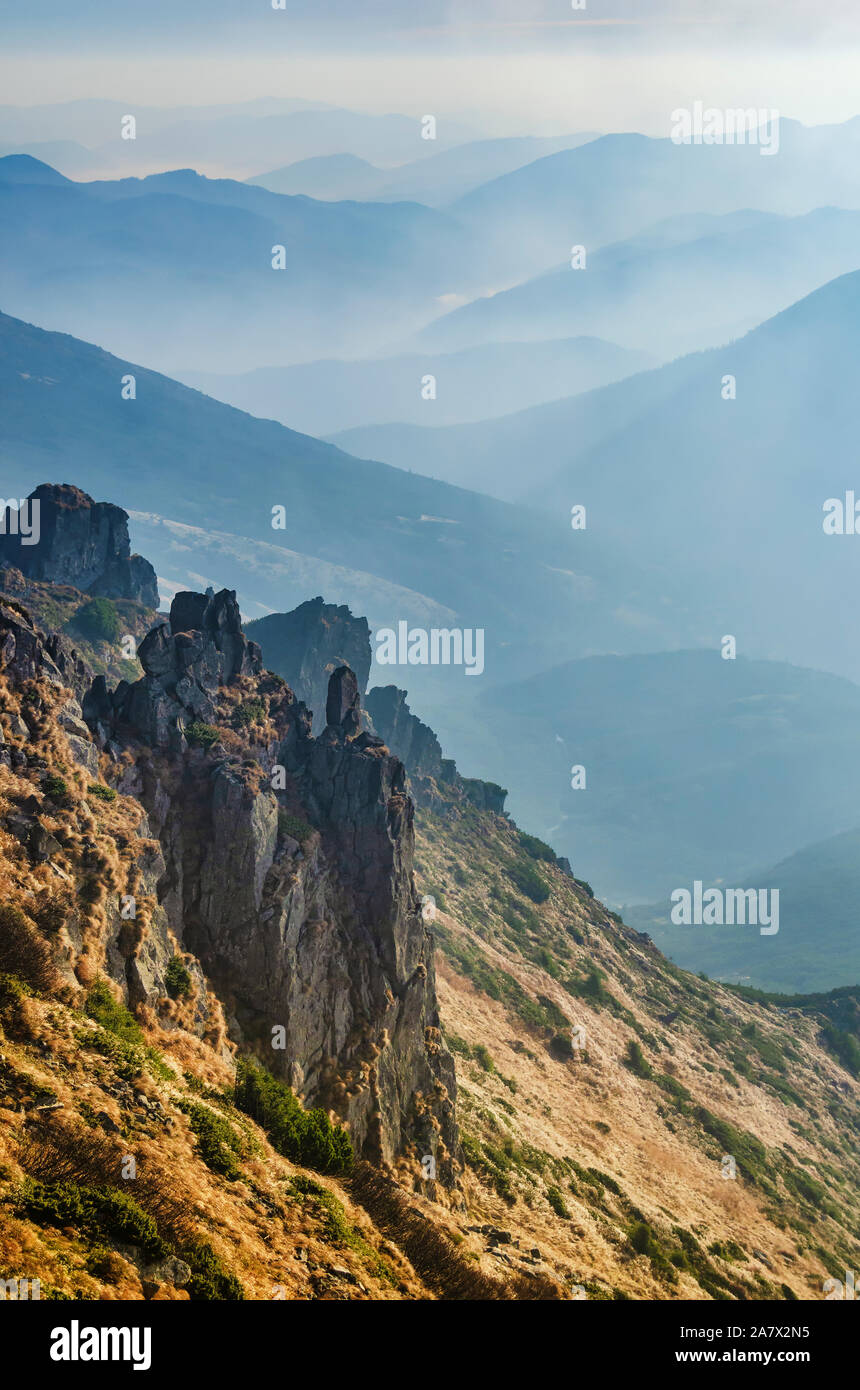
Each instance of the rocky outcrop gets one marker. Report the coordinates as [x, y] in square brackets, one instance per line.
[308, 644]
[79, 542]
[185, 661]
[412, 741]
[287, 872]
[434, 780]
[26, 653]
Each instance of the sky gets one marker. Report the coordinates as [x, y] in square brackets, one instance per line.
[533, 65]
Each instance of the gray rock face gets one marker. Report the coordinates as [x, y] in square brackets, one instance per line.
[83, 543]
[308, 644]
[24, 653]
[316, 948]
[343, 704]
[184, 668]
[412, 741]
[434, 779]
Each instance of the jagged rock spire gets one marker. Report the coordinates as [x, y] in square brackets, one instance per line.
[343, 706]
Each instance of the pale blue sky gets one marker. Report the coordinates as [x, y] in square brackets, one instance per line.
[525, 64]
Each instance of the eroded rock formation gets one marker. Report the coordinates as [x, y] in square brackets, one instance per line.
[80, 542]
[308, 644]
[434, 779]
[286, 869]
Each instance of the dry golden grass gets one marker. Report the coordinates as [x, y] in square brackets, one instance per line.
[596, 1111]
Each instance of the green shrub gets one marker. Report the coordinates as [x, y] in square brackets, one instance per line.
[557, 1202]
[250, 712]
[750, 1152]
[201, 735]
[642, 1238]
[673, 1087]
[217, 1141]
[210, 1282]
[526, 877]
[114, 1017]
[12, 990]
[590, 987]
[102, 793]
[538, 849]
[98, 1211]
[177, 978]
[843, 1046]
[483, 1058]
[294, 826]
[636, 1061]
[56, 788]
[304, 1136]
[97, 620]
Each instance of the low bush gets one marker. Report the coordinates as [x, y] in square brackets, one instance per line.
[294, 826]
[217, 1141]
[97, 620]
[177, 978]
[636, 1062]
[101, 793]
[538, 849]
[526, 877]
[111, 1015]
[557, 1202]
[99, 1211]
[304, 1136]
[201, 735]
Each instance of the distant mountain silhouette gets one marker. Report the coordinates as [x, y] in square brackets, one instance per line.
[239, 138]
[686, 284]
[321, 397]
[618, 185]
[696, 767]
[818, 942]
[178, 268]
[434, 180]
[727, 493]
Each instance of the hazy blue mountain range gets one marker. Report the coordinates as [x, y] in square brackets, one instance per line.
[731, 491]
[178, 268]
[435, 179]
[475, 384]
[696, 767]
[818, 943]
[238, 139]
[691, 282]
[328, 177]
[618, 185]
[505, 569]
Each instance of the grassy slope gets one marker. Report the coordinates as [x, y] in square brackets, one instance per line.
[622, 1149]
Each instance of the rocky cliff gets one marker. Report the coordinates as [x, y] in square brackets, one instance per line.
[434, 779]
[286, 870]
[78, 542]
[308, 644]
